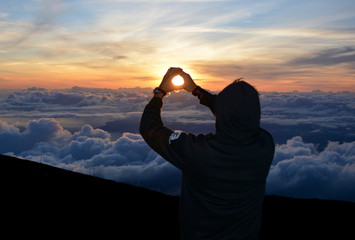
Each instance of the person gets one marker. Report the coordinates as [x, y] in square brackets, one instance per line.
[223, 173]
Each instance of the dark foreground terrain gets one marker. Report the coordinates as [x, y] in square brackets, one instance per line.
[41, 201]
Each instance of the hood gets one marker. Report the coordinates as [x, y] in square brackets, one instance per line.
[237, 110]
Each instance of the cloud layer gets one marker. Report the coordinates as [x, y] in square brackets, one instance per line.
[316, 116]
[127, 159]
[95, 131]
[298, 170]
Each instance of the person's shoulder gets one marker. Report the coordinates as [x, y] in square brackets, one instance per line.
[204, 137]
[188, 142]
[199, 138]
[265, 134]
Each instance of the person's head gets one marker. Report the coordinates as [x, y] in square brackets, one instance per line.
[237, 110]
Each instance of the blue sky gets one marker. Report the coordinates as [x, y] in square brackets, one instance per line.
[111, 43]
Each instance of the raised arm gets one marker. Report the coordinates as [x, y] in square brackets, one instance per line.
[206, 98]
[152, 128]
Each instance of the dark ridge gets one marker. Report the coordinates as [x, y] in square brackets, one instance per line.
[42, 201]
[38, 199]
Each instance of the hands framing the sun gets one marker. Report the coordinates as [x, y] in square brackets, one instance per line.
[167, 83]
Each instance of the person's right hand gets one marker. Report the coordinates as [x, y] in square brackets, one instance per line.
[166, 83]
[189, 84]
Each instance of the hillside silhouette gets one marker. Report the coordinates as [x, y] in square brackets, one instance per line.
[38, 200]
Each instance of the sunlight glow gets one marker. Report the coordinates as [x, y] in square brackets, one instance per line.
[178, 80]
[56, 45]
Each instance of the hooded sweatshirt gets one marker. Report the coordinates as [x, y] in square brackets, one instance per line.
[223, 173]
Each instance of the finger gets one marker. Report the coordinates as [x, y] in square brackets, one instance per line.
[175, 68]
[172, 73]
[168, 73]
[186, 76]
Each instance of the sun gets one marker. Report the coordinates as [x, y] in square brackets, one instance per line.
[178, 80]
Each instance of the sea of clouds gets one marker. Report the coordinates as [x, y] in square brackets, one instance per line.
[95, 131]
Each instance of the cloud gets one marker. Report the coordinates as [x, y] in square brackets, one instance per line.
[113, 46]
[327, 57]
[41, 95]
[44, 20]
[104, 140]
[113, 110]
[3, 14]
[37, 131]
[298, 170]
[127, 159]
[316, 116]
[303, 71]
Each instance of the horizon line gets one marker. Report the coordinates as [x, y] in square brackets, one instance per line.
[35, 88]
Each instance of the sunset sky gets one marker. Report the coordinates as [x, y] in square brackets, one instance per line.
[276, 45]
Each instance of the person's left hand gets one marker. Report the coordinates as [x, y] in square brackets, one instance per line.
[166, 84]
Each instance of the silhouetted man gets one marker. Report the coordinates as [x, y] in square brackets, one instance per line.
[224, 173]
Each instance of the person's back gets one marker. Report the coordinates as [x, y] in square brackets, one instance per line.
[223, 174]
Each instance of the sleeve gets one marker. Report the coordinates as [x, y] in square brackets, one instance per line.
[175, 147]
[159, 137]
[208, 99]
